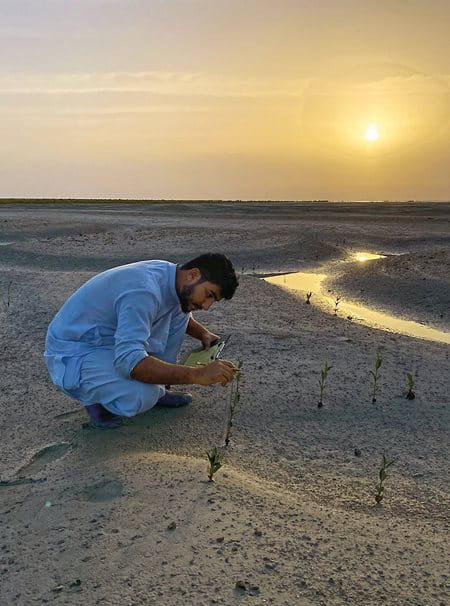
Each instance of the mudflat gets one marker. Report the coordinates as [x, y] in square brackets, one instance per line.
[129, 517]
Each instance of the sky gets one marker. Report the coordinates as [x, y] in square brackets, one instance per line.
[225, 99]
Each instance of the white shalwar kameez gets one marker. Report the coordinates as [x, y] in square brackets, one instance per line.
[107, 327]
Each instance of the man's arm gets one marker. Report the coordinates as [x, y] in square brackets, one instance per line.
[195, 329]
[198, 331]
[153, 370]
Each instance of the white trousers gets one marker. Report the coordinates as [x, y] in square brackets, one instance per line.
[101, 384]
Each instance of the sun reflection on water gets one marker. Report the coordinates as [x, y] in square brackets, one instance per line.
[367, 256]
[308, 282]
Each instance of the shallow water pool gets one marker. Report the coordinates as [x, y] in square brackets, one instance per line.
[303, 283]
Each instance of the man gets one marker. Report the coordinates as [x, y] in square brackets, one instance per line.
[113, 345]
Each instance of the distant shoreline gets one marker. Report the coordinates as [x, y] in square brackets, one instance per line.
[201, 201]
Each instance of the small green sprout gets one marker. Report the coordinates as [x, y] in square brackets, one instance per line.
[308, 297]
[382, 475]
[235, 397]
[322, 381]
[336, 305]
[7, 303]
[215, 462]
[410, 395]
[375, 377]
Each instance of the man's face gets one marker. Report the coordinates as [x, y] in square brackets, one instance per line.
[199, 295]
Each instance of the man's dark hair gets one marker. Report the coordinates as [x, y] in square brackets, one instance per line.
[216, 268]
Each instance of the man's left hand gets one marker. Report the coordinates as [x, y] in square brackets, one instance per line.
[208, 338]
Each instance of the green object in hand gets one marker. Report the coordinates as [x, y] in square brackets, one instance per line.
[200, 357]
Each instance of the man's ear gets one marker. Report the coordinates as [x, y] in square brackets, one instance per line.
[194, 274]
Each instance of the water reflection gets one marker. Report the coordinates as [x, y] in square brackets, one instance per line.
[367, 256]
[308, 282]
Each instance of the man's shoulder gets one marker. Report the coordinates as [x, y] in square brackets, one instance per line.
[151, 267]
[154, 270]
[149, 264]
[150, 275]
[158, 264]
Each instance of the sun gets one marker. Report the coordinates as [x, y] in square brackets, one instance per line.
[371, 133]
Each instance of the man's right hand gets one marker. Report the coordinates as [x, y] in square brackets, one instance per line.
[219, 371]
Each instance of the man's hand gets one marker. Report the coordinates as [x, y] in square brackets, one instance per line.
[219, 371]
[198, 331]
[207, 338]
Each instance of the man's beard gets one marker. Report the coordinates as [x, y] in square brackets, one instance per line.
[186, 297]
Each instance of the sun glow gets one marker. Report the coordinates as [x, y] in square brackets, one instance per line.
[371, 133]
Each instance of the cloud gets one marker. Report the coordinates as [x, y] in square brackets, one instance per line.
[417, 83]
[161, 82]
[201, 84]
[107, 111]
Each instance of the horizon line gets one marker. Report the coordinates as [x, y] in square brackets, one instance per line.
[6, 200]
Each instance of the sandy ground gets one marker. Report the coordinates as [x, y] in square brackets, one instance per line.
[84, 515]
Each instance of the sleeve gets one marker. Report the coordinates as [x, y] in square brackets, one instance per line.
[178, 319]
[136, 312]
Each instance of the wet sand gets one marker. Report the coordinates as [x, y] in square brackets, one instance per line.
[292, 513]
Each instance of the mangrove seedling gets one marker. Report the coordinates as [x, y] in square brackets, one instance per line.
[375, 377]
[410, 395]
[7, 303]
[382, 475]
[215, 462]
[336, 305]
[308, 297]
[235, 397]
[322, 381]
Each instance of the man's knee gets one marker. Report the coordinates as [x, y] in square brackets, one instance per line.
[136, 398]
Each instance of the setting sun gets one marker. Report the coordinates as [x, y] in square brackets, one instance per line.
[371, 133]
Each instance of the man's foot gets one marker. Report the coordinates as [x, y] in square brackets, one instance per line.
[102, 418]
[174, 399]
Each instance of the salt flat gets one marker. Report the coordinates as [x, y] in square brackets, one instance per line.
[292, 513]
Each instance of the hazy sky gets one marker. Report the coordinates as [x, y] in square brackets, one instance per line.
[232, 99]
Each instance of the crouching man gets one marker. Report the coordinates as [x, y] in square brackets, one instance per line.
[113, 345]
